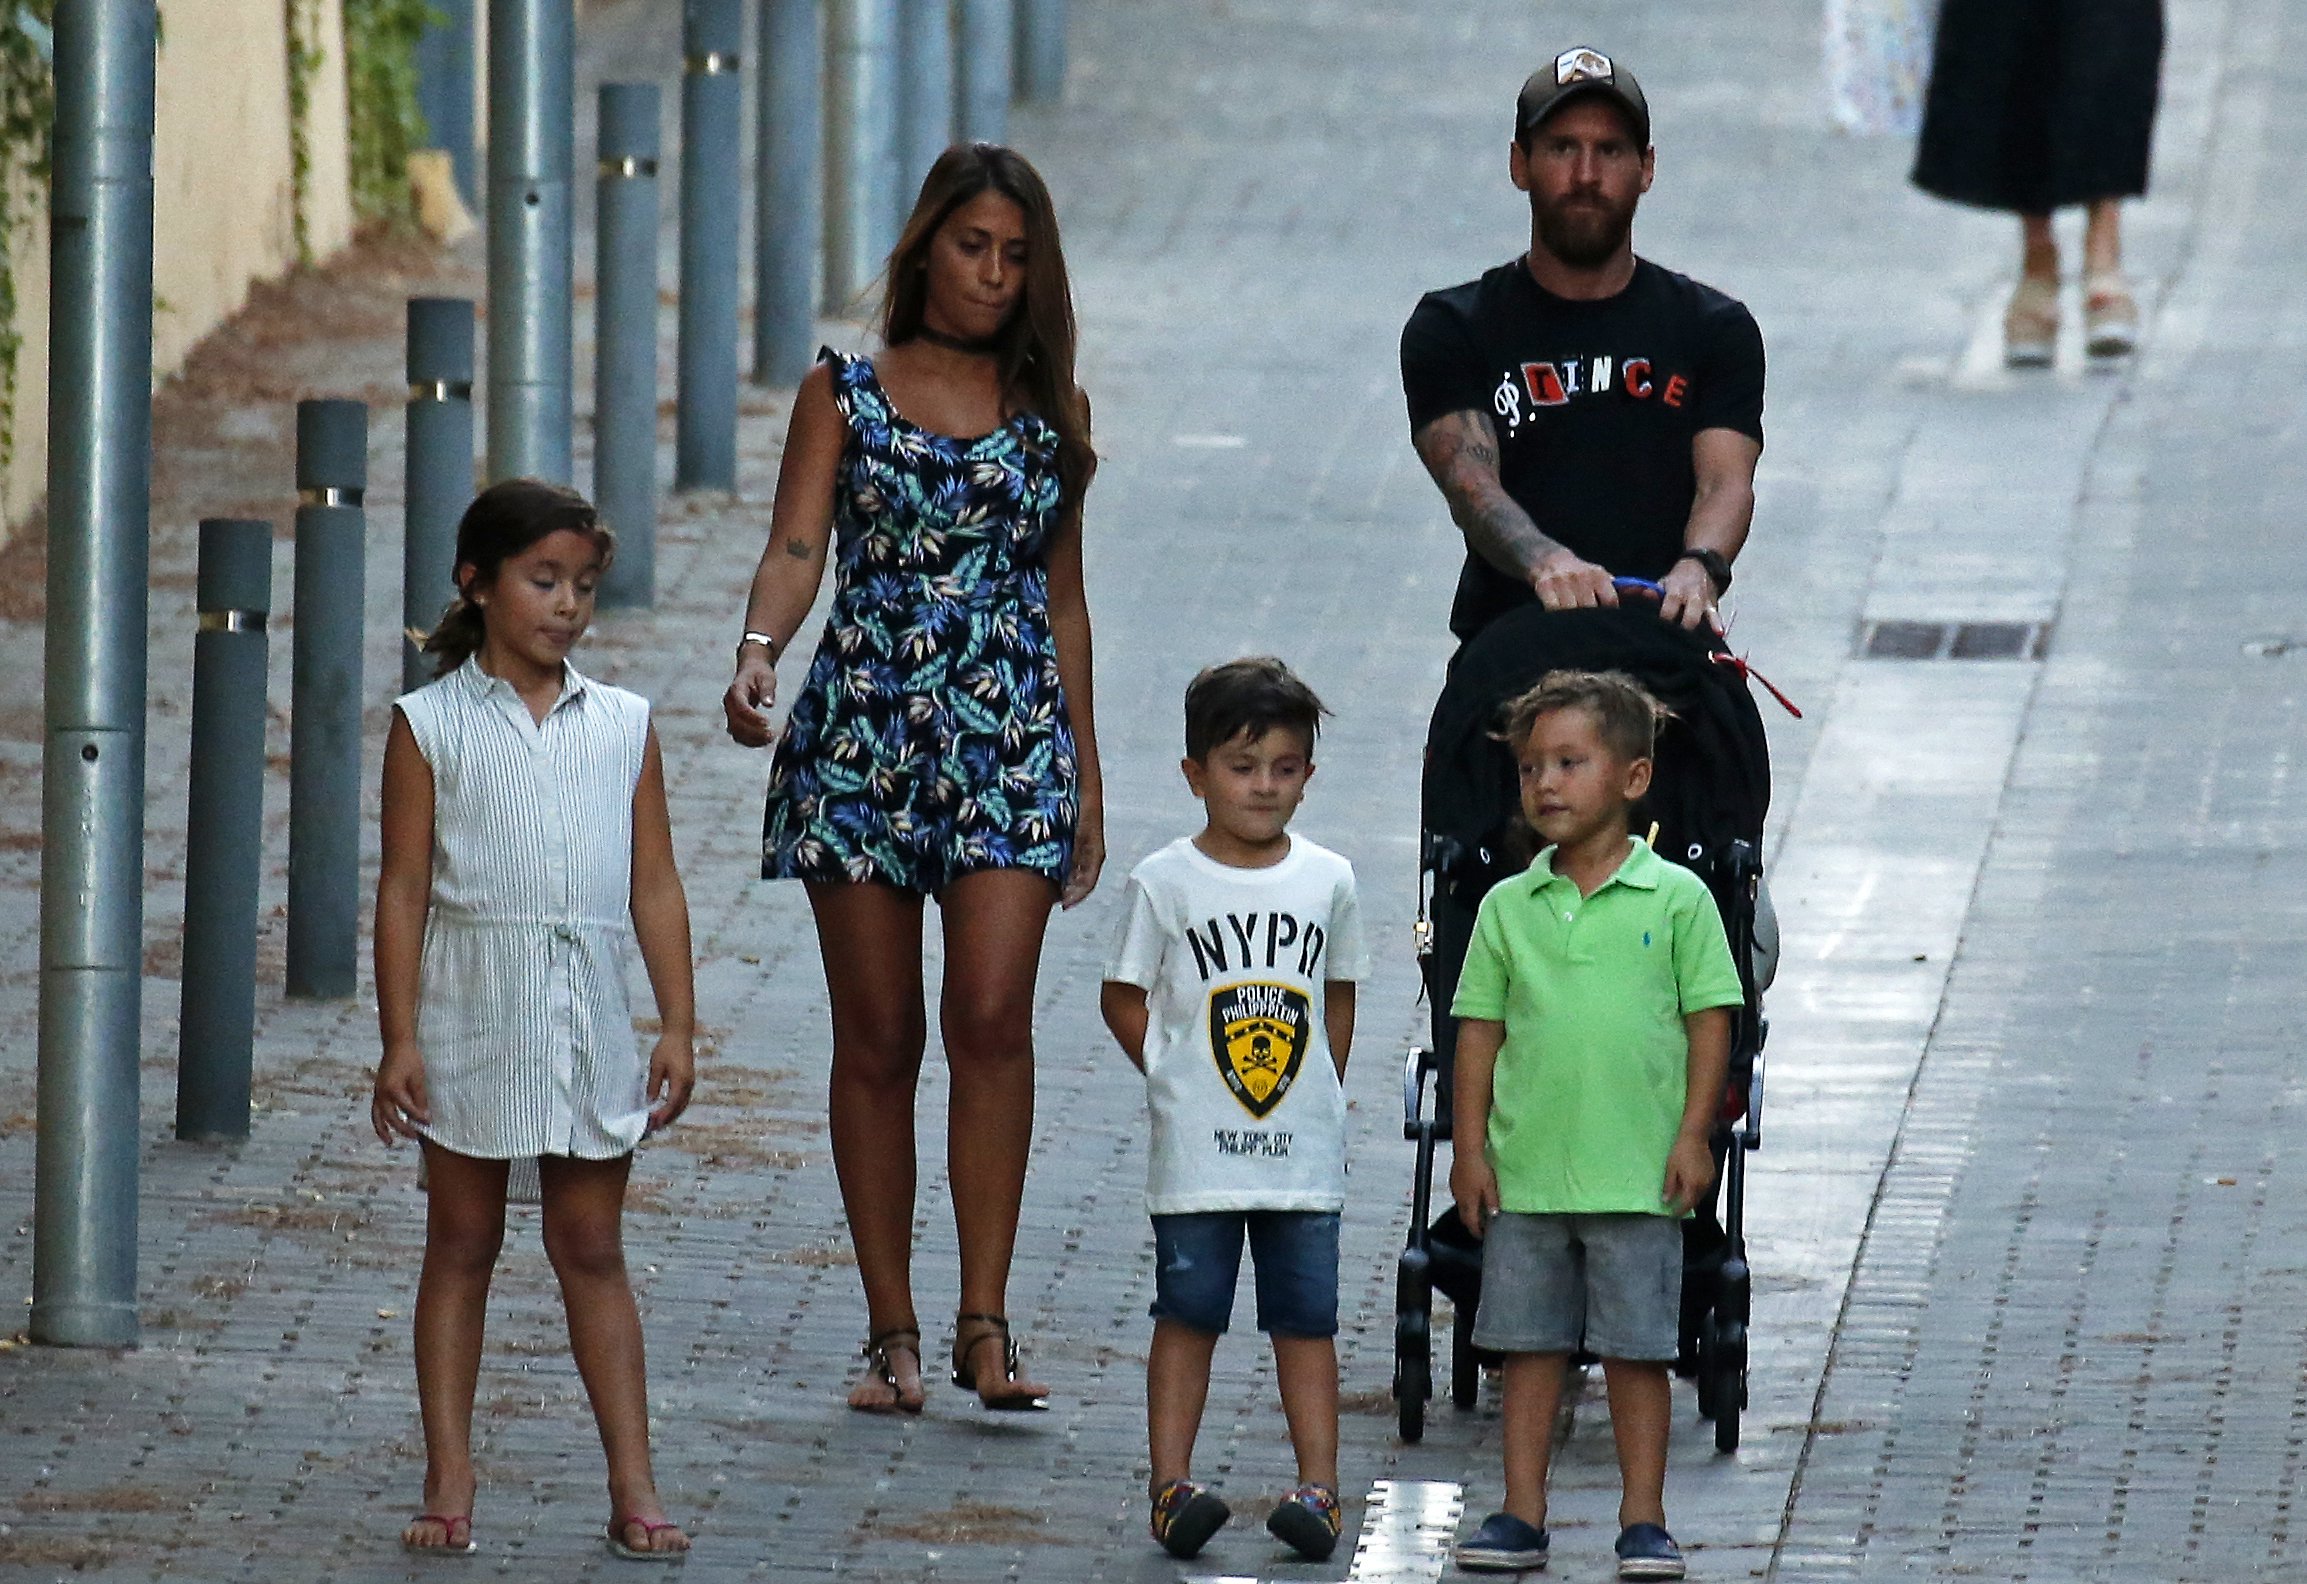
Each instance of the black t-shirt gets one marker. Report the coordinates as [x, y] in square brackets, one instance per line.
[1595, 403]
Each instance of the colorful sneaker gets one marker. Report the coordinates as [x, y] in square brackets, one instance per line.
[1307, 1521]
[1646, 1551]
[1504, 1544]
[1185, 1516]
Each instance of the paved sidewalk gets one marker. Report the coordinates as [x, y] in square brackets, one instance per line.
[2065, 1038]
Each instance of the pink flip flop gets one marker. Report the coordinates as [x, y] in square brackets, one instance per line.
[626, 1553]
[448, 1523]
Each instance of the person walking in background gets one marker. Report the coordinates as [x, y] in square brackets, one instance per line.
[2041, 105]
[525, 841]
[1232, 989]
[941, 744]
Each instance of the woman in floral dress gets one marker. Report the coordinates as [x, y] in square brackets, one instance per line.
[941, 744]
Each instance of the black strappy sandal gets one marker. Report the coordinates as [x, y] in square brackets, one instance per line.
[964, 1345]
[876, 1353]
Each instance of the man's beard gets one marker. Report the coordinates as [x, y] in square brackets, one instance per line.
[1584, 235]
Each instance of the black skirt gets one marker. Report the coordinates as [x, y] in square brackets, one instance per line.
[2035, 105]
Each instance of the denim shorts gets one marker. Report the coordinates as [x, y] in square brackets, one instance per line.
[1609, 1283]
[1198, 1256]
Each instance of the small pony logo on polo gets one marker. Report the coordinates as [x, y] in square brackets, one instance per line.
[1646, 937]
[1582, 65]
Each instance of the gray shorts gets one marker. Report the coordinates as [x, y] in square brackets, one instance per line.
[1609, 1283]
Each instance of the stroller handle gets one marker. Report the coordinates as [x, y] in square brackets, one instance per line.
[1635, 585]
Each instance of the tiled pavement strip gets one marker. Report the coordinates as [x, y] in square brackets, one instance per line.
[2058, 901]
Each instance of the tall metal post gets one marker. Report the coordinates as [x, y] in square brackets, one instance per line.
[925, 53]
[325, 698]
[532, 89]
[92, 806]
[625, 338]
[986, 43]
[439, 466]
[789, 191]
[224, 843]
[445, 89]
[860, 145]
[1040, 51]
[712, 108]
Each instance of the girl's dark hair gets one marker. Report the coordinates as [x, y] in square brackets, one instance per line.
[1035, 347]
[502, 521]
[1248, 697]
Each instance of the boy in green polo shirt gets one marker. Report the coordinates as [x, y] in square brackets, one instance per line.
[1593, 1046]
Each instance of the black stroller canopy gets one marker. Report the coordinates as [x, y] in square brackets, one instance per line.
[1711, 786]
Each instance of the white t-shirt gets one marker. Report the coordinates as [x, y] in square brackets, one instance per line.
[1247, 1110]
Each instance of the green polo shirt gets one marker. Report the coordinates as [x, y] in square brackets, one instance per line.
[1593, 990]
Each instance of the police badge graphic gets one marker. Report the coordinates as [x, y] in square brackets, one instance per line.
[1258, 1038]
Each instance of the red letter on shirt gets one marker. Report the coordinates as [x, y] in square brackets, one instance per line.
[1545, 384]
[1638, 383]
[1676, 389]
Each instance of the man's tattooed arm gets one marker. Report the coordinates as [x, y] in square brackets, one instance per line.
[1460, 450]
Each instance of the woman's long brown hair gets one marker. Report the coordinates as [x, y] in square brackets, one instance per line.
[1035, 347]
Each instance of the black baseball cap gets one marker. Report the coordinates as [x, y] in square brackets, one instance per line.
[1578, 71]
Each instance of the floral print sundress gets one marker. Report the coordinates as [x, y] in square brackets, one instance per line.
[930, 739]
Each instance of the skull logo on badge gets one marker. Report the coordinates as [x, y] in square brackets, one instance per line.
[1258, 1037]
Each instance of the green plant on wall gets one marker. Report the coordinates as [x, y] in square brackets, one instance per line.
[27, 115]
[299, 25]
[380, 48]
[383, 121]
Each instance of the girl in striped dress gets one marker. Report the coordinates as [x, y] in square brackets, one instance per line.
[525, 842]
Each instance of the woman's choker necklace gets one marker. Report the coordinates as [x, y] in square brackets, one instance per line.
[954, 343]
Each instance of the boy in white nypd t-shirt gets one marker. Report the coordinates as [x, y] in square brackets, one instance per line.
[1232, 989]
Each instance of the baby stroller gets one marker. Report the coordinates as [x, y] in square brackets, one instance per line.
[1709, 795]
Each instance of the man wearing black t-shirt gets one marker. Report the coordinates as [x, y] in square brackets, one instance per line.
[1587, 414]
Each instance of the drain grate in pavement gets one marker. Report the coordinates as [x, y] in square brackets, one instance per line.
[1940, 640]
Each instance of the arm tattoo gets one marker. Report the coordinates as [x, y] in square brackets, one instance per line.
[1460, 450]
[799, 549]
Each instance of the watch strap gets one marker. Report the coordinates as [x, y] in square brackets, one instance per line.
[1714, 564]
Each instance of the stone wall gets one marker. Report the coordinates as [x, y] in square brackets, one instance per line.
[223, 204]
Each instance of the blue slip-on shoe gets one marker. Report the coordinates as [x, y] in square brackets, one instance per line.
[1504, 1544]
[1646, 1551]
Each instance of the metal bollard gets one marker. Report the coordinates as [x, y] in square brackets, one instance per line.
[325, 700]
[92, 766]
[860, 146]
[224, 830]
[440, 466]
[987, 52]
[789, 196]
[444, 62]
[532, 88]
[625, 339]
[712, 108]
[925, 53]
[1040, 51]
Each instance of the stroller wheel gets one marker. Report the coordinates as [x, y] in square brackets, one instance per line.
[1702, 1370]
[1723, 1380]
[1413, 1373]
[1465, 1367]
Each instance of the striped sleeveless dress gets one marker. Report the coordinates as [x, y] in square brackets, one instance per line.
[522, 1014]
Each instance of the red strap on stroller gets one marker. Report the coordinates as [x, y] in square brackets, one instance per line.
[1745, 668]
